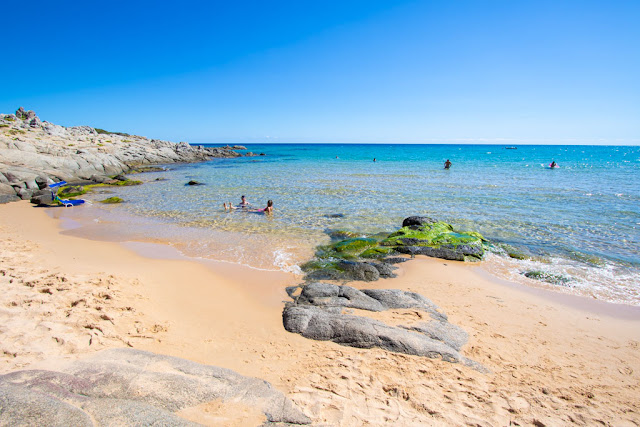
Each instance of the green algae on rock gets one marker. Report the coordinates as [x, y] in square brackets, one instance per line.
[554, 279]
[418, 236]
[112, 200]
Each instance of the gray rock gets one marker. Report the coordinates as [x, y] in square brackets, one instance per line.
[99, 178]
[24, 406]
[453, 335]
[359, 271]
[7, 190]
[8, 198]
[417, 221]
[43, 181]
[395, 298]
[441, 252]
[362, 332]
[35, 122]
[325, 294]
[132, 387]
[24, 193]
[385, 270]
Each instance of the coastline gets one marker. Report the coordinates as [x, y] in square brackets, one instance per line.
[551, 360]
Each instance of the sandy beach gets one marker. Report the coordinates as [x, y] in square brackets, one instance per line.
[553, 359]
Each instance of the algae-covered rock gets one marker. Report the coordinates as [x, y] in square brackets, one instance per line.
[341, 234]
[346, 259]
[355, 245]
[112, 200]
[555, 279]
[437, 239]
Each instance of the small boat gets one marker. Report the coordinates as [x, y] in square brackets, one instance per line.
[510, 148]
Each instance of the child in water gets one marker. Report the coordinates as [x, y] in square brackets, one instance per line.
[243, 204]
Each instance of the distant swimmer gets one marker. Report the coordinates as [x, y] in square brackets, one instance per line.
[447, 164]
[374, 159]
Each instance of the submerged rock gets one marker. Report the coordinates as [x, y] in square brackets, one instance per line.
[555, 279]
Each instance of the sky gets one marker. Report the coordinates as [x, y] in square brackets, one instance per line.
[485, 71]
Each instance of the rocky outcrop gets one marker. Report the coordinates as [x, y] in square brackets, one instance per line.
[31, 149]
[367, 258]
[318, 313]
[132, 387]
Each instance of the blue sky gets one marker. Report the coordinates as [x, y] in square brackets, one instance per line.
[330, 71]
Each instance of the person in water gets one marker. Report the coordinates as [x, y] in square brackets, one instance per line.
[447, 164]
[243, 204]
[267, 210]
[553, 164]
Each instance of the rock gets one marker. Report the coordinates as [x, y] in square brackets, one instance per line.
[555, 279]
[101, 179]
[43, 197]
[80, 152]
[120, 177]
[395, 298]
[24, 194]
[453, 335]
[329, 295]
[8, 198]
[21, 114]
[317, 313]
[72, 191]
[362, 332]
[112, 200]
[132, 387]
[417, 221]
[359, 271]
[7, 190]
[43, 181]
[385, 270]
[395, 260]
[35, 122]
[335, 215]
[192, 182]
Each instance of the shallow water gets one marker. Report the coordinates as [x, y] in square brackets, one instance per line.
[581, 220]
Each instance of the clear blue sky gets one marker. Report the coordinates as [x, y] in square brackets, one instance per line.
[330, 71]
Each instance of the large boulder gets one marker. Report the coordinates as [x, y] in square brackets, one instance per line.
[132, 387]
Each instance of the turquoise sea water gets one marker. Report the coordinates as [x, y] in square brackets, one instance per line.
[581, 220]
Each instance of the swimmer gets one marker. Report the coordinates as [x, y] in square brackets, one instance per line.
[267, 210]
[447, 164]
[243, 204]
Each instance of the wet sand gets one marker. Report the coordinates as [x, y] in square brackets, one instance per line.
[554, 359]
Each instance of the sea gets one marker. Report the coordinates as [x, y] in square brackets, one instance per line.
[579, 221]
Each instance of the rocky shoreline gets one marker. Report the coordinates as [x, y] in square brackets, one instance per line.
[35, 153]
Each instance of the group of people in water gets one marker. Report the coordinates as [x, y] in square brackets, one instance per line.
[246, 206]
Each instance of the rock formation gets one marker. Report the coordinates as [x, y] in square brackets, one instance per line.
[132, 387]
[367, 258]
[34, 153]
[318, 313]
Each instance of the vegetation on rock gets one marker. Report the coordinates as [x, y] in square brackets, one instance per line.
[112, 200]
[433, 238]
[554, 279]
